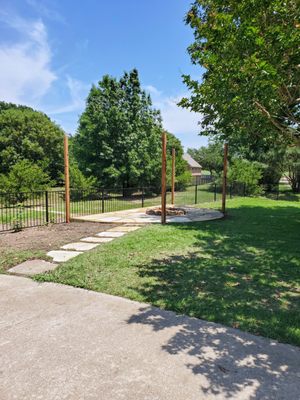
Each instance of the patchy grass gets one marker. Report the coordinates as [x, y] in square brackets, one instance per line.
[9, 258]
[243, 271]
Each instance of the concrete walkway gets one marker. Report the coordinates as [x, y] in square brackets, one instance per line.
[59, 342]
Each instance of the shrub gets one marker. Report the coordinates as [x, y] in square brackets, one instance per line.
[23, 178]
[247, 173]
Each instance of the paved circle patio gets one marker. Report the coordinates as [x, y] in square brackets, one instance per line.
[139, 216]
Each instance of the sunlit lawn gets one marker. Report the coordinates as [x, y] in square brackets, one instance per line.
[243, 271]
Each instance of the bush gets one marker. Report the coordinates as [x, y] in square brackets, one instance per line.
[81, 185]
[247, 173]
[24, 177]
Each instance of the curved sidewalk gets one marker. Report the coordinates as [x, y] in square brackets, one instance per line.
[59, 342]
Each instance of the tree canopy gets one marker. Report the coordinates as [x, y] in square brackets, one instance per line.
[26, 134]
[250, 93]
[210, 157]
[119, 135]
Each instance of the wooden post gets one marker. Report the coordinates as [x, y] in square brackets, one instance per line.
[224, 178]
[67, 179]
[173, 176]
[163, 177]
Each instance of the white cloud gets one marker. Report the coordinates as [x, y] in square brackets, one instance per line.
[45, 11]
[25, 71]
[152, 90]
[176, 119]
[78, 93]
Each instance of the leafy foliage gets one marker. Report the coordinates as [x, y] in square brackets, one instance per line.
[247, 173]
[78, 180]
[23, 177]
[30, 135]
[250, 93]
[210, 157]
[292, 168]
[119, 135]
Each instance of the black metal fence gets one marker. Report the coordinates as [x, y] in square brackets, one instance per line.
[28, 209]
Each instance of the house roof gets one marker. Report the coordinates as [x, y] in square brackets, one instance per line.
[192, 163]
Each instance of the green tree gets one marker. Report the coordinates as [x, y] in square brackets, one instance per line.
[119, 135]
[30, 135]
[210, 157]
[246, 173]
[250, 51]
[291, 168]
[23, 177]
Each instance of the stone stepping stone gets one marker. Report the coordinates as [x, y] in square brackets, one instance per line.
[124, 229]
[33, 267]
[96, 239]
[63, 255]
[108, 234]
[80, 246]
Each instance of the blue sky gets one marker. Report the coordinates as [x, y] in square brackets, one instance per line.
[52, 51]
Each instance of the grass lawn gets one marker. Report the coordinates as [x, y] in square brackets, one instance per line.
[9, 258]
[243, 271]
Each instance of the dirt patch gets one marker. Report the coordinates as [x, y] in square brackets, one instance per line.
[49, 237]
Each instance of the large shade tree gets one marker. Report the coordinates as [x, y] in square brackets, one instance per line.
[26, 134]
[119, 135]
[249, 49]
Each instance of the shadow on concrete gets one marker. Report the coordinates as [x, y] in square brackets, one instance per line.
[236, 364]
[243, 273]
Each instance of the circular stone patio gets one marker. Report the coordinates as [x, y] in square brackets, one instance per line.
[139, 216]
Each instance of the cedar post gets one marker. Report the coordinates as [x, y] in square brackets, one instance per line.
[173, 176]
[67, 179]
[163, 177]
[224, 178]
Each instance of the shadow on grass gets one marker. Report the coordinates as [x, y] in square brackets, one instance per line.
[243, 272]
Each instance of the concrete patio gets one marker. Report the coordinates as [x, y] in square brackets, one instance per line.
[59, 342]
[139, 216]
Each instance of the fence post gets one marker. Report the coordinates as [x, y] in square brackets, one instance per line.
[163, 177]
[47, 206]
[244, 189]
[143, 197]
[230, 191]
[224, 188]
[67, 179]
[196, 193]
[215, 193]
[102, 196]
[173, 176]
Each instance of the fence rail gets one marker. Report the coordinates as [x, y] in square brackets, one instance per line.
[29, 209]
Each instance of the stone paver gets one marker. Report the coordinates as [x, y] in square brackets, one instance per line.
[80, 246]
[63, 255]
[124, 228]
[63, 343]
[33, 267]
[111, 234]
[93, 239]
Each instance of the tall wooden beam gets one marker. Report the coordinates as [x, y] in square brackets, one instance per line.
[163, 177]
[224, 178]
[173, 175]
[67, 179]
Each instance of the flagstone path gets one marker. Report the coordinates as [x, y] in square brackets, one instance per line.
[70, 250]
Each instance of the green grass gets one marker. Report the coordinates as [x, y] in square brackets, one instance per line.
[243, 271]
[9, 258]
